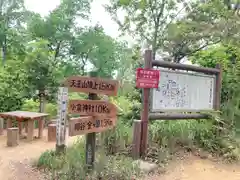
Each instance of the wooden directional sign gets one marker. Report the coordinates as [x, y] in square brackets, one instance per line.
[89, 124]
[92, 108]
[92, 85]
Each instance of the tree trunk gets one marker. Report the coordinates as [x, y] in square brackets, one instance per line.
[42, 101]
[4, 50]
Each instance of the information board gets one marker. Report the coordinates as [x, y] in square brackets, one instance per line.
[183, 91]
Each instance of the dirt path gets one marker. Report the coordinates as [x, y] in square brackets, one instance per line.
[15, 161]
[15, 164]
[194, 168]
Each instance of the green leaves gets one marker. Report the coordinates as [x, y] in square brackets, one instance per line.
[58, 27]
[146, 20]
[12, 86]
[91, 47]
[40, 66]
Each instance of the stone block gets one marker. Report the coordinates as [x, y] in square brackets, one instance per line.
[12, 136]
[52, 132]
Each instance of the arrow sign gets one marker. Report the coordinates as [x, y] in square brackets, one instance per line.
[89, 124]
[92, 108]
[92, 85]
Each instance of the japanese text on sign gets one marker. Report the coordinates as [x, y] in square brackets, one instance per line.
[62, 114]
[147, 73]
[183, 91]
[88, 124]
[92, 85]
[93, 124]
[88, 107]
[147, 78]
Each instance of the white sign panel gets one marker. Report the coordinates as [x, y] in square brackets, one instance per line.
[62, 115]
[183, 91]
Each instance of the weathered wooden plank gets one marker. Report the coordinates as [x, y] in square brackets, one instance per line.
[92, 85]
[92, 108]
[89, 124]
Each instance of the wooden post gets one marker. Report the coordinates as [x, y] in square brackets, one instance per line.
[137, 127]
[9, 123]
[26, 126]
[52, 132]
[42, 97]
[30, 127]
[41, 110]
[40, 127]
[145, 106]
[217, 98]
[12, 136]
[91, 137]
[1, 126]
[61, 120]
[20, 123]
[218, 87]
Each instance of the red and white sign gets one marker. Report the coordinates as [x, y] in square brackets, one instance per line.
[147, 78]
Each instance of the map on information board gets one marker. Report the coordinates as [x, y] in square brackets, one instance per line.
[183, 91]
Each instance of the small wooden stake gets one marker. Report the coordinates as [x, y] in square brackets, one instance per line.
[137, 127]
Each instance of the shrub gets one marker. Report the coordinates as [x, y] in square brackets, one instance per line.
[31, 105]
[192, 133]
[12, 86]
[72, 165]
[129, 110]
[75, 95]
[117, 139]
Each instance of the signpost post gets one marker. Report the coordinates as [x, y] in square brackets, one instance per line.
[91, 137]
[61, 119]
[95, 115]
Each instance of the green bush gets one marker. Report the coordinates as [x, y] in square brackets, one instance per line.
[75, 95]
[117, 139]
[12, 86]
[72, 165]
[31, 105]
[191, 134]
[129, 110]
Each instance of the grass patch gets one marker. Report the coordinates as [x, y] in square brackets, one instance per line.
[71, 165]
[167, 136]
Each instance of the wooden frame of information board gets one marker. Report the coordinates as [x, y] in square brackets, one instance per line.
[95, 115]
[141, 126]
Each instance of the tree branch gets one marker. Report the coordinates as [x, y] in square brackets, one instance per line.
[196, 50]
[57, 50]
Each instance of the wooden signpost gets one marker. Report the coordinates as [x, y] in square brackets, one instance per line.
[95, 115]
[89, 124]
[94, 108]
[92, 85]
[62, 117]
